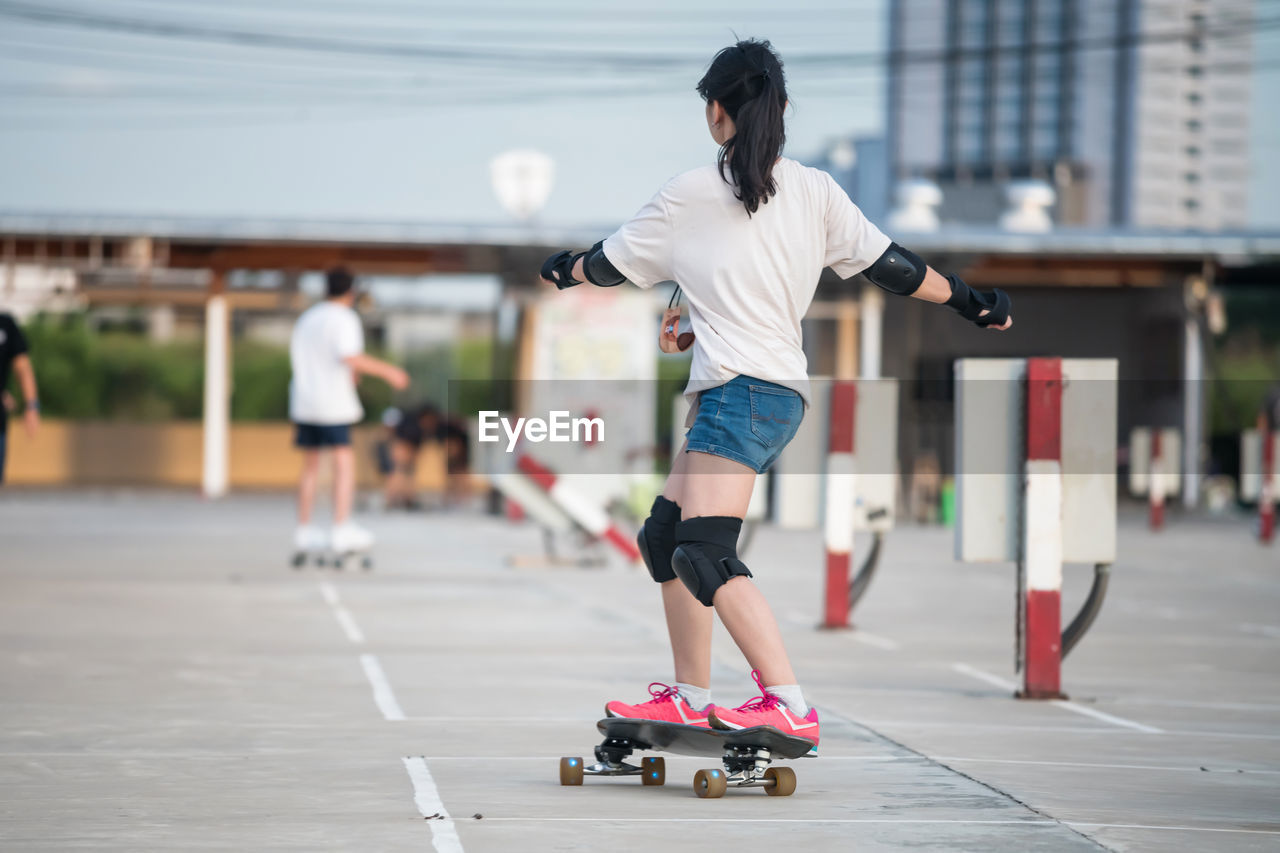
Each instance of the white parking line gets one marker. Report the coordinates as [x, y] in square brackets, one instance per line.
[1107, 718]
[857, 635]
[884, 821]
[444, 835]
[997, 681]
[1264, 630]
[1171, 828]
[383, 696]
[344, 617]
[744, 819]
[898, 723]
[993, 680]
[1182, 769]
[669, 757]
[875, 640]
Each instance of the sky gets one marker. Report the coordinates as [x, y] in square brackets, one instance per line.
[391, 110]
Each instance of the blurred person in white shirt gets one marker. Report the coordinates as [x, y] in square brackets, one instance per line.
[326, 353]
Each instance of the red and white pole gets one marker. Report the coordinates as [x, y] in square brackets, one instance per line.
[588, 515]
[1267, 494]
[840, 499]
[1040, 642]
[1156, 480]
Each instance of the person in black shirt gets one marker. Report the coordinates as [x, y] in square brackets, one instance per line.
[13, 356]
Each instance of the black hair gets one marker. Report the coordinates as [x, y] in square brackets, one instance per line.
[746, 79]
[338, 282]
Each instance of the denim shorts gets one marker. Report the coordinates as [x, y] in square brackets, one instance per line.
[315, 436]
[747, 420]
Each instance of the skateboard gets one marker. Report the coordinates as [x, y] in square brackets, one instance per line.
[328, 557]
[744, 753]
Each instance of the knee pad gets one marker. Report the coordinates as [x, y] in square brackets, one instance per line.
[706, 555]
[657, 539]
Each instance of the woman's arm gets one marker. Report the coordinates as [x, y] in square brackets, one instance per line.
[904, 273]
[565, 269]
[939, 290]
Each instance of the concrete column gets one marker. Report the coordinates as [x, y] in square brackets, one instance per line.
[872, 317]
[217, 392]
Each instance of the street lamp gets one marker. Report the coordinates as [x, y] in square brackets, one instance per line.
[522, 181]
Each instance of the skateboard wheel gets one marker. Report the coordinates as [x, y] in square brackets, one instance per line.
[655, 771]
[779, 781]
[710, 784]
[571, 771]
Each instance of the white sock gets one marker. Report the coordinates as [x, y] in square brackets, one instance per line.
[791, 697]
[697, 697]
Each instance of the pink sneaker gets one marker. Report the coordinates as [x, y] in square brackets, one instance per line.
[766, 710]
[666, 706]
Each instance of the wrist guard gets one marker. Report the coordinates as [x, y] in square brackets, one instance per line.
[970, 303]
[558, 269]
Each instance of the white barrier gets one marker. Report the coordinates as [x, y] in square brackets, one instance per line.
[1260, 476]
[1155, 468]
[1036, 485]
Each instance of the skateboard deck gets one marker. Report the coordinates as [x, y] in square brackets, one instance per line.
[695, 740]
[745, 755]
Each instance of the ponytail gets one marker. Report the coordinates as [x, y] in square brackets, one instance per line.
[747, 81]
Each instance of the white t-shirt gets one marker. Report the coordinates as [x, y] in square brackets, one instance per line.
[323, 388]
[748, 281]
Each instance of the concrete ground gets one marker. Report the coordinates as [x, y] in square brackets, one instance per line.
[167, 682]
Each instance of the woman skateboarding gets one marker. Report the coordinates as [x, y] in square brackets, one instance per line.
[746, 238]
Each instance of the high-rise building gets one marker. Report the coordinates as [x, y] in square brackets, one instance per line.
[1135, 111]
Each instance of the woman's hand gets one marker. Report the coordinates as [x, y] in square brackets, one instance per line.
[670, 339]
[1007, 323]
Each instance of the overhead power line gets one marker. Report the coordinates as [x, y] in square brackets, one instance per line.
[571, 58]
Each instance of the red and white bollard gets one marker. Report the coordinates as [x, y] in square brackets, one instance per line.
[588, 515]
[1040, 637]
[1267, 495]
[840, 499]
[1156, 486]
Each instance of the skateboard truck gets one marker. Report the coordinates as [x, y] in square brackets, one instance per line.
[611, 761]
[745, 765]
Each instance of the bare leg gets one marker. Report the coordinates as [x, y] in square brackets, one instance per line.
[344, 483]
[717, 486]
[688, 622]
[307, 485]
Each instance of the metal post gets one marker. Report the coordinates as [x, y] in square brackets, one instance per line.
[1267, 494]
[840, 498]
[1040, 640]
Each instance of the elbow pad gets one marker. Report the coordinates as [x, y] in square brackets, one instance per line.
[970, 303]
[899, 271]
[599, 270]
